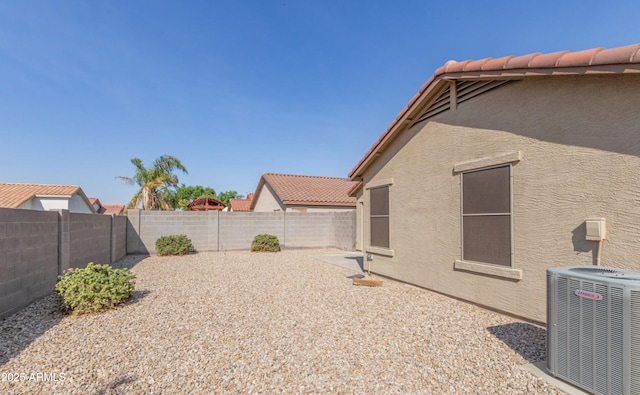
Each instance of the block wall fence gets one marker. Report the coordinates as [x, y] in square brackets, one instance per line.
[37, 246]
[222, 231]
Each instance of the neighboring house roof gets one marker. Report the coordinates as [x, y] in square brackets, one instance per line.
[14, 195]
[592, 61]
[115, 209]
[307, 190]
[107, 209]
[238, 204]
[205, 204]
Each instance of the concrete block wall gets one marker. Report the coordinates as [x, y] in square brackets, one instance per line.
[345, 230]
[237, 230]
[28, 257]
[90, 239]
[200, 227]
[119, 238]
[221, 231]
[37, 246]
[310, 230]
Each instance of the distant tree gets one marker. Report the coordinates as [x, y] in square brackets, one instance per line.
[224, 197]
[156, 183]
[185, 194]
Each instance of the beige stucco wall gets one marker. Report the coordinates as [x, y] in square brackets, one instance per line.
[267, 201]
[579, 137]
[75, 204]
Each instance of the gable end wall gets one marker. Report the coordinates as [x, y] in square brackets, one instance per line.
[579, 137]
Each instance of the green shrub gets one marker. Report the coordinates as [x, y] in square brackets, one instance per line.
[94, 288]
[265, 243]
[173, 245]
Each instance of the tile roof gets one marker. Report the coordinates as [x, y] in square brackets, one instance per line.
[294, 189]
[596, 60]
[14, 195]
[238, 204]
[115, 209]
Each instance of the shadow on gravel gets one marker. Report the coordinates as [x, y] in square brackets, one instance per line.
[20, 329]
[113, 386]
[528, 340]
[129, 261]
[137, 295]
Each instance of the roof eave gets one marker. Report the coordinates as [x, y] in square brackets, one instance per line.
[418, 102]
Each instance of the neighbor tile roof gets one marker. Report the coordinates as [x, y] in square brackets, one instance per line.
[294, 189]
[238, 204]
[115, 209]
[596, 60]
[14, 195]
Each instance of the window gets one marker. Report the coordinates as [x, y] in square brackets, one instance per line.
[486, 215]
[379, 216]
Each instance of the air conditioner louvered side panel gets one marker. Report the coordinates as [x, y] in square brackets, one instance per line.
[602, 341]
[616, 340]
[563, 326]
[574, 331]
[588, 324]
[634, 382]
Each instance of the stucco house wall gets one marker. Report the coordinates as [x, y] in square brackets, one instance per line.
[267, 201]
[74, 204]
[574, 145]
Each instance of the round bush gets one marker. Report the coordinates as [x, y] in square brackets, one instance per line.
[265, 243]
[173, 245]
[94, 288]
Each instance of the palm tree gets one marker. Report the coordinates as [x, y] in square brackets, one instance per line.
[155, 183]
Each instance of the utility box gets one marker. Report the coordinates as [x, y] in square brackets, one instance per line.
[593, 328]
[596, 229]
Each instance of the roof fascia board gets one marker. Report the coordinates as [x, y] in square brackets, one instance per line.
[38, 195]
[522, 73]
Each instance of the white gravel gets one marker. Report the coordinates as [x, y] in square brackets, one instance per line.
[240, 322]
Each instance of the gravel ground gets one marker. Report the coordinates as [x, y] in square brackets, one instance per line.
[238, 322]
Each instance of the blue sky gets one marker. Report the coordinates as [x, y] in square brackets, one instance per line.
[238, 88]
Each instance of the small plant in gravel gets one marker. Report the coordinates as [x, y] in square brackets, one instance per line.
[173, 245]
[265, 243]
[94, 288]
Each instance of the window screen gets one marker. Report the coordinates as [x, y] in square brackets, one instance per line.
[379, 216]
[486, 215]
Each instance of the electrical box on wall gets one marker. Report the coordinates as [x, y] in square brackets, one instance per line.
[596, 229]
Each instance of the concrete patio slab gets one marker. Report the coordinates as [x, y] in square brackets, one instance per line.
[539, 369]
[350, 260]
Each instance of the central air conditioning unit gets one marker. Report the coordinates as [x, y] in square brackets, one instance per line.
[593, 328]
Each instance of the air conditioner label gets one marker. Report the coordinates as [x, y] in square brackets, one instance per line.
[588, 294]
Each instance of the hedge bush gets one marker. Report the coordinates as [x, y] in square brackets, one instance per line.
[173, 245]
[94, 288]
[264, 242]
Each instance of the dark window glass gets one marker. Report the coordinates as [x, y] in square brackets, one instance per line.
[486, 216]
[379, 216]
